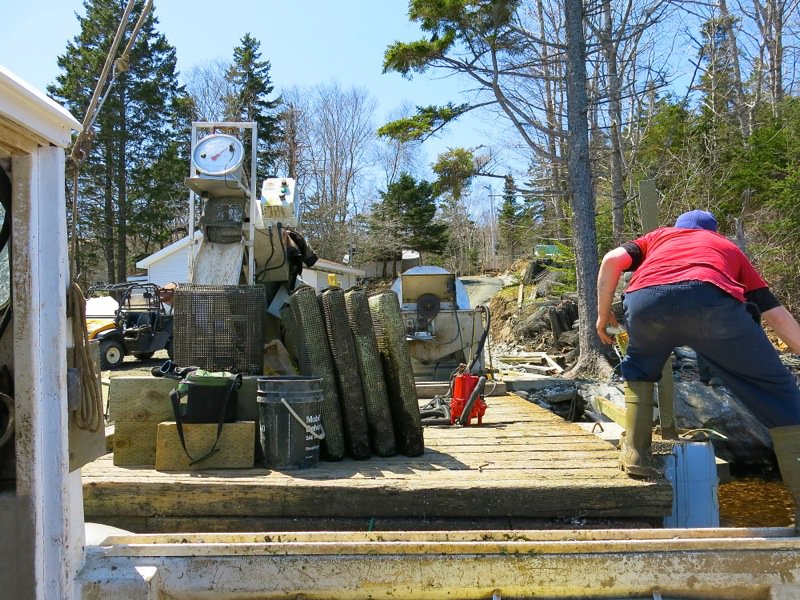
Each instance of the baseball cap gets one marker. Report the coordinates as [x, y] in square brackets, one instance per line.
[697, 219]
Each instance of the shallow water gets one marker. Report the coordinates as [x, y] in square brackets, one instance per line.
[755, 502]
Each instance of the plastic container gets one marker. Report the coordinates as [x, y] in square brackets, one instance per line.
[692, 470]
[290, 421]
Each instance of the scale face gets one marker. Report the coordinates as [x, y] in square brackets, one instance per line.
[218, 154]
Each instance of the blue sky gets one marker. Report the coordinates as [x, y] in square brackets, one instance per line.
[307, 42]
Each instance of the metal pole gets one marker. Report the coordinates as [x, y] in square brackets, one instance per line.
[492, 233]
[192, 200]
[648, 203]
[254, 205]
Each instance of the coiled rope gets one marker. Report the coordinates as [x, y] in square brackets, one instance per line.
[89, 414]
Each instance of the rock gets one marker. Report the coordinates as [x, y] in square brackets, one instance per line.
[698, 406]
[562, 399]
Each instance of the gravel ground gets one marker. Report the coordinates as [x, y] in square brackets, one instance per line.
[133, 366]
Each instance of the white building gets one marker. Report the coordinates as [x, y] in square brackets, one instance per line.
[172, 264]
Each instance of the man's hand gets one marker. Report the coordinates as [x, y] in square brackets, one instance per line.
[614, 262]
[603, 322]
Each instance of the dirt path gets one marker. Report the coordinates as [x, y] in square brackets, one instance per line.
[481, 289]
[132, 366]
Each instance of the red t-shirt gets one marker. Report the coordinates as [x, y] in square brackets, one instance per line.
[672, 255]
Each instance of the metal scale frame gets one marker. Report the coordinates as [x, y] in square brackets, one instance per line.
[230, 182]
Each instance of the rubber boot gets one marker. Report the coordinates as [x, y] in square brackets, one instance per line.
[636, 458]
[787, 449]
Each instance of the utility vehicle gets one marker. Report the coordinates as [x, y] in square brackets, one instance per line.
[140, 325]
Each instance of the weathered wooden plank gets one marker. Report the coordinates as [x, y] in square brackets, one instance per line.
[529, 464]
[223, 524]
[611, 410]
[410, 480]
[532, 444]
[17, 140]
[140, 399]
[235, 448]
[135, 443]
[389, 499]
[361, 473]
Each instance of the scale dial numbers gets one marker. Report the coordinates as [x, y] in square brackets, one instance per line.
[218, 154]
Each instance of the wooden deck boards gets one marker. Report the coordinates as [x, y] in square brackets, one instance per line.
[523, 462]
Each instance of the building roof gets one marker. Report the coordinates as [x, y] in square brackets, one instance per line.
[166, 251]
[25, 105]
[333, 267]
[321, 264]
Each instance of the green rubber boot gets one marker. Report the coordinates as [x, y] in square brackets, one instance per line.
[787, 449]
[636, 458]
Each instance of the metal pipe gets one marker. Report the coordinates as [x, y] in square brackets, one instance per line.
[473, 397]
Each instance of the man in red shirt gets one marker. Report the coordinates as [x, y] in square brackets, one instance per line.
[693, 287]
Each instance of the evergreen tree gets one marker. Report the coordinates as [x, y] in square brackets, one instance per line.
[716, 129]
[129, 196]
[250, 77]
[509, 221]
[405, 218]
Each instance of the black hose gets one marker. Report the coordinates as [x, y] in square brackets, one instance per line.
[271, 254]
[283, 251]
[485, 334]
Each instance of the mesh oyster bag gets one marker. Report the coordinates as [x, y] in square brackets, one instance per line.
[397, 370]
[368, 358]
[314, 357]
[345, 363]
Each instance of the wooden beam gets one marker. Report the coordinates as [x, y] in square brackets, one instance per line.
[15, 141]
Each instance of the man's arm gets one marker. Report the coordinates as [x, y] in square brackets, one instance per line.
[785, 325]
[614, 263]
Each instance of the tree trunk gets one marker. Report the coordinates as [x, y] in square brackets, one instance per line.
[552, 118]
[122, 200]
[581, 193]
[740, 103]
[108, 217]
[614, 90]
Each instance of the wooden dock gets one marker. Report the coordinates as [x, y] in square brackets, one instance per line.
[522, 466]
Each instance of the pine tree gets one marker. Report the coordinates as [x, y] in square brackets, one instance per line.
[509, 221]
[129, 196]
[251, 79]
[405, 218]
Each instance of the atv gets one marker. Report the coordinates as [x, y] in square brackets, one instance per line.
[141, 323]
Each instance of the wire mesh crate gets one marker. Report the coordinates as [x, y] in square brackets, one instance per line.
[219, 327]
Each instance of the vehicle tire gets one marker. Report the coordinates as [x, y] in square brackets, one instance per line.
[143, 355]
[112, 353]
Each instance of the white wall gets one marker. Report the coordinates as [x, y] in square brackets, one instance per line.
[47, 537]
[174, 267]
[317, 276]
[45, 540]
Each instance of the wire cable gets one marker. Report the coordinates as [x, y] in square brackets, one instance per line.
[271, 252]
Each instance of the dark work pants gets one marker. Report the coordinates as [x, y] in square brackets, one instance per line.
[719, 327]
